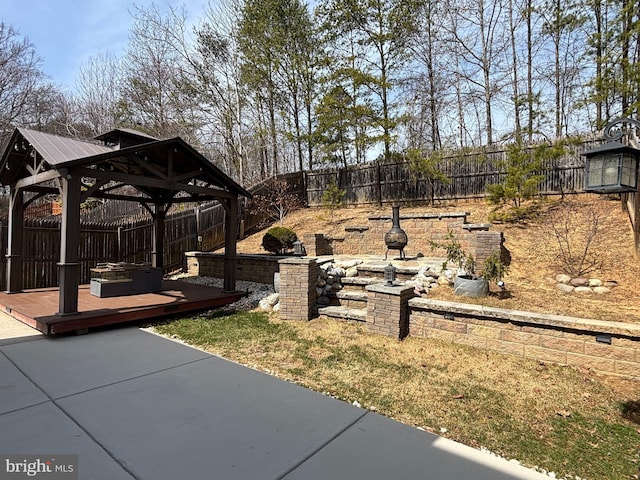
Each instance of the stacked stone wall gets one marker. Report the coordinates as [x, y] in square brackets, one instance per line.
[421, 230]
[253, 268]
[608, 347]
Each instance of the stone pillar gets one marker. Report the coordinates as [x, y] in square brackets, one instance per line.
[315, 244]
[388, 309]
[486, 244]
[298, 278]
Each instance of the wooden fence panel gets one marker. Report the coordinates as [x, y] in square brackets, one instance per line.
[468, 174]
[41, 253]
[210, 220]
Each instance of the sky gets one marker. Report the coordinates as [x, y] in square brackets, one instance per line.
[66, 33]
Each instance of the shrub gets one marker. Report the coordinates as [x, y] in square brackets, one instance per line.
[521, 214]
[521, 181]
[333, 196]
[495, 269]
[278, 239]
[426, 166]
[577, 233]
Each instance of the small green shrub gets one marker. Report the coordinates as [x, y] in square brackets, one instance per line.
[455, 254]
[278, 239]
[521, 180]
[333, 196]
[494, 268]
[523, 213]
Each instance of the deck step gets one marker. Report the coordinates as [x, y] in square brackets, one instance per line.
[357, 314]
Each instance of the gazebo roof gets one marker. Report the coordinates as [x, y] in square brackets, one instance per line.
[167, 170]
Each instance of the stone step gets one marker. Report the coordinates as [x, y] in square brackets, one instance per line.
[358, 284]
[402, 272]
[344, 313]
[351, 299]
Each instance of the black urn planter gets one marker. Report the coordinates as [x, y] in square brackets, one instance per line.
[469, 286]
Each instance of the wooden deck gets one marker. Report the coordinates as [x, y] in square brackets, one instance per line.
[37, 308]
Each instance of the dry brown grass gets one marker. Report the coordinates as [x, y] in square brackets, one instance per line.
[534, 256]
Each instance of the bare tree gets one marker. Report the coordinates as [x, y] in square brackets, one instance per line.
[275, 202]
[562, 23]
[51, 110]
[97, 92]
[577, 233]
[429, 86]
[217, 83]
[480, 33]
[20, 75]
[154, 95]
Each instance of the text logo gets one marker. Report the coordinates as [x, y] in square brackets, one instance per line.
[49, 467]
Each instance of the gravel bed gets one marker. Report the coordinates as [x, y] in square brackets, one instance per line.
[255, 291]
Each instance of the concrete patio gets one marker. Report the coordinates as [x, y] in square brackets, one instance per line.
[134, 405]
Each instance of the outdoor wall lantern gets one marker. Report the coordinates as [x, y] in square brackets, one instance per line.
[613, 166]
[390, 275]
[298, 248]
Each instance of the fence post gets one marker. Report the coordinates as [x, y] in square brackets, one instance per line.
[378, 184]
[3, 251]
[198, 228]
[119, 256]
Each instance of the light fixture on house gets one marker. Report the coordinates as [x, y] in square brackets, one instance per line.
[613, 166]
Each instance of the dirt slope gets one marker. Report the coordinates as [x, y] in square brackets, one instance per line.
[534, 251]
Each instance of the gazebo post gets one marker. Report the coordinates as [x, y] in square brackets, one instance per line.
[15, 240]
[230, 238]
[69, 245]
[157, 246]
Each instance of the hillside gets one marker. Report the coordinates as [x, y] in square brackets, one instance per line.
[534, 251]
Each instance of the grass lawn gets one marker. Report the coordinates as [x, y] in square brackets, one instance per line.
[561, 419]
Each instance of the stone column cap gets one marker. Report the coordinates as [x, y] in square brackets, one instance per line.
[297, 260]
[389, 290]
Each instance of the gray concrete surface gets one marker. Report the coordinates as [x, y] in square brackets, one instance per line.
[133, 405]
[12, 331]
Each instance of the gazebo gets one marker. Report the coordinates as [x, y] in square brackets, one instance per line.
[162, 172]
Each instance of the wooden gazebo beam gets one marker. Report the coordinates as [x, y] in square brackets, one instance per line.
[69, 244]
[14, 248]
[230, 246]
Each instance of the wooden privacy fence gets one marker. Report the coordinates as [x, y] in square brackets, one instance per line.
[468, 174]
[101, 242]
[120, 231]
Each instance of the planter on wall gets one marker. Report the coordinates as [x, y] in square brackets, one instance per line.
[467, 286]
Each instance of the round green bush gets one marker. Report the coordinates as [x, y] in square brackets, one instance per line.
[278, 239]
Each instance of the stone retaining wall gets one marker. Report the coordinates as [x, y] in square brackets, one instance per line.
[608, 347]
[422, 229]
[254, 268]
